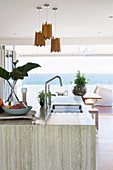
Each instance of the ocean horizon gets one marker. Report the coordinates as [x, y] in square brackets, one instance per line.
[67, 78]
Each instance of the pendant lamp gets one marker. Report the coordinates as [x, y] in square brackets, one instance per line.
[46, 28]
[55, 42]
[39, 39]
[55, 45]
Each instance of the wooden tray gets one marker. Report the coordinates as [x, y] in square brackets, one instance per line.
[29, 115]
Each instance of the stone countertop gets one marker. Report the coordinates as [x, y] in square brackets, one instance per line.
[59, 118]
[66, 118]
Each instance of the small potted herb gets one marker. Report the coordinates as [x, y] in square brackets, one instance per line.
[80, 84]
[41, 98]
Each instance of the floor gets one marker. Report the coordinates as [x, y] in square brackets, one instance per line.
[104, 141]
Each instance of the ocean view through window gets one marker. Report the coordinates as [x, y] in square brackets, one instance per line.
[98, 71]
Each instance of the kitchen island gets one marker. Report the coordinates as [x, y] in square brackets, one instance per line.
[67, 142]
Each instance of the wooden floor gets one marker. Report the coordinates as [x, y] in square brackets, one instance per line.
[104, 141]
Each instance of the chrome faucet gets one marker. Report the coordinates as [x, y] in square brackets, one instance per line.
[46, 116]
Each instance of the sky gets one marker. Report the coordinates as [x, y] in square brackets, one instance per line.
[69, 64]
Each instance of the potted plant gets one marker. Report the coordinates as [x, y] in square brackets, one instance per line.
[17, 73]
[80, 84]
[41, 98]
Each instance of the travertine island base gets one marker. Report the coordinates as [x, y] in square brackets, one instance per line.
[67, 142]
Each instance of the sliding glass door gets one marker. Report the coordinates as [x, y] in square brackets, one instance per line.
[6, 59]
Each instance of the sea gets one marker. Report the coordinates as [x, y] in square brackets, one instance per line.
[67, 78]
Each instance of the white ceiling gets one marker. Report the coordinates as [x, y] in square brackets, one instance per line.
[75, 18]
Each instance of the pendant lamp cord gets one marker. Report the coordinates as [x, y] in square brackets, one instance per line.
[39, 19]
[55, 23]
[46, 14]
[55, 10]
[39, 9]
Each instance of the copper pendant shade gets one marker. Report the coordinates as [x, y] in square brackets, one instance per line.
[47, 30]
[55, 42]
[55, 45]
[46, 33]
[39, 39]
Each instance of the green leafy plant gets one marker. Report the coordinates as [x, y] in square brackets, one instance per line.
[80, 79]
[19, 72]
[49, 95]
[41, 95]
[41, 98]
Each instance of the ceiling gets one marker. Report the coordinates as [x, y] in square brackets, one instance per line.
[74, 18]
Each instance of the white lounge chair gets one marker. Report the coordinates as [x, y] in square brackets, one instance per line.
[107, 97]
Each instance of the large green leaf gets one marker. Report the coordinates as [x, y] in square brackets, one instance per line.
[27, 67]
[20, 72]
[4, 74]
[15, 74]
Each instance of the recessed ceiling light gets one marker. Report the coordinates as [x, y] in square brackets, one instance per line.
[111, 16]
[39, 8]
[55, 9]
[46, 5]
